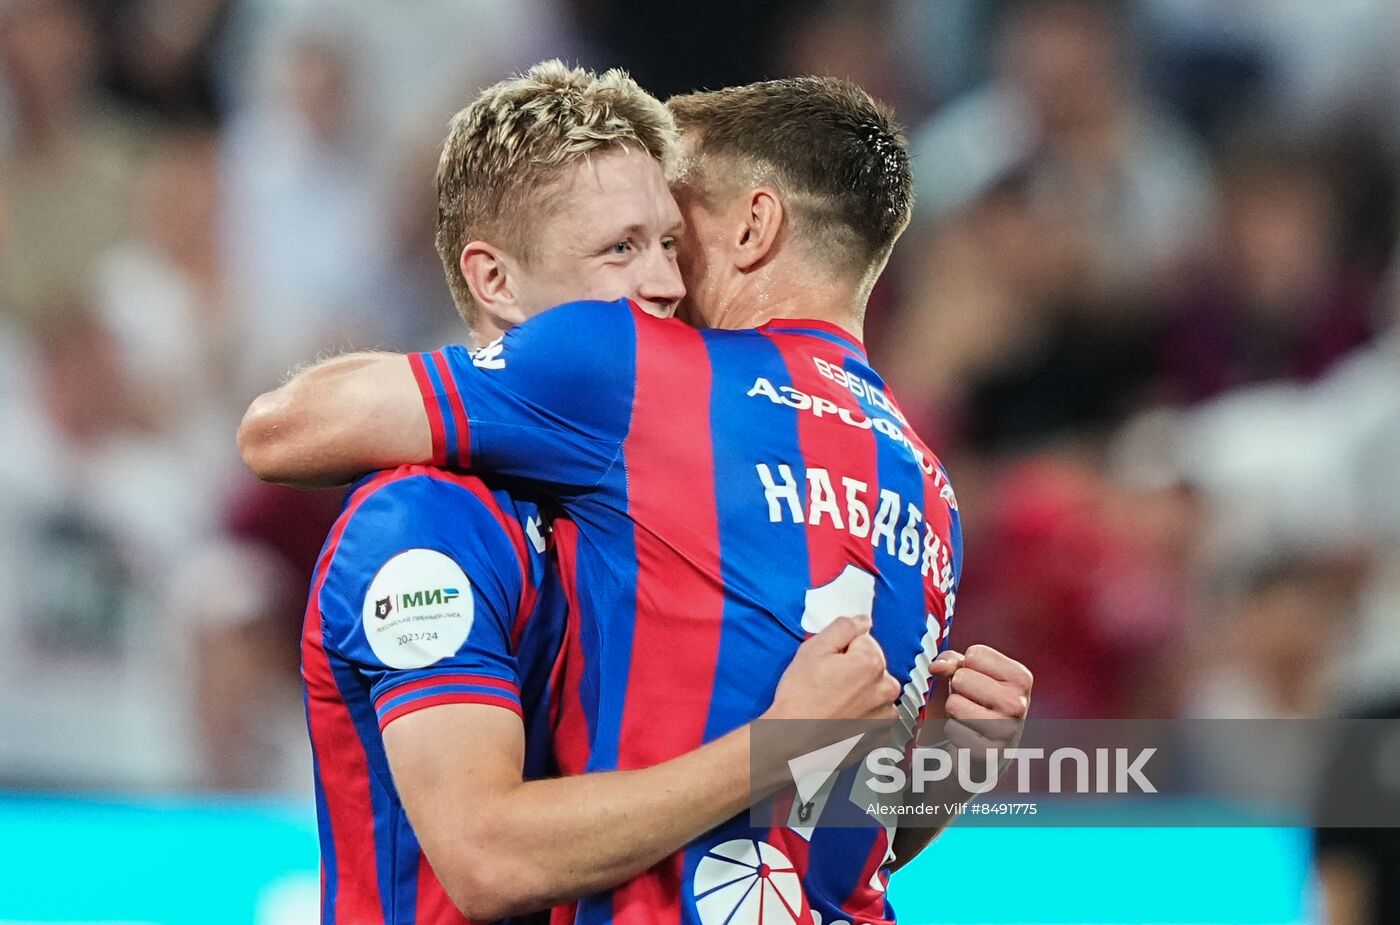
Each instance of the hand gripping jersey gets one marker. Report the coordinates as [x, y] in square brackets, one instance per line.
[730, 493]
[431, 589]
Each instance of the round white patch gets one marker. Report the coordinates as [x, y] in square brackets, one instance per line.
[747, 882]
[419, 609]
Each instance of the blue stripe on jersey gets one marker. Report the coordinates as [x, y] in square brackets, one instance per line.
[955, 534]
[607, 558]
[434, 691]
[752, 655]
[903, 584]
[539, 644]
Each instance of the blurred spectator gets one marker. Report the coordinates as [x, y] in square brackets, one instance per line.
[96, 504]
[245, 641]
[1004, 343]
[1065, 114]
[675, 48]
[302, 221]
[1272, 297]
[411, 290]
[162, 56]
[945, 45]
[1271, 652]
[1309, 472]
[1054, 201]
[1090, 580]
[1303, 67]
[856, 41]
[165, 295]
[65, 156]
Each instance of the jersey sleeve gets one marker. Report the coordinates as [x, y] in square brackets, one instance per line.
[421, 595]
[549, 402]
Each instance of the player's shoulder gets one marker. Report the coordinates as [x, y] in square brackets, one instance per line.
[585, 319]
[430, 492]
[426, 508]
[590, 321]
[587, 348]
[439, 549]
[573, 330]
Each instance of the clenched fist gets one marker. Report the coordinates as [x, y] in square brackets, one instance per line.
[989, 695]
[838, 674]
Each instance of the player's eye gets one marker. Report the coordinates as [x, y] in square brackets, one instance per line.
[668, 244]
[620, 248]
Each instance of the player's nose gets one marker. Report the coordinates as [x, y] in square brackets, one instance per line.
[661, 282]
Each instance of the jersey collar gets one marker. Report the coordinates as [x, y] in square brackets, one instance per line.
[823, 329]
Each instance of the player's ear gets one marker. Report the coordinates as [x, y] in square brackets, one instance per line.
[760, 221]
[488, 274]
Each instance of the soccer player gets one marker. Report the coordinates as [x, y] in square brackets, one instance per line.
[763, 477]
[435, 619]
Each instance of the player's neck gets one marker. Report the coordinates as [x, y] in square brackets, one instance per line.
[486, 330]
[761, 300]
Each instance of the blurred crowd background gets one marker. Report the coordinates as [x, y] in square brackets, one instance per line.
[1147, 314]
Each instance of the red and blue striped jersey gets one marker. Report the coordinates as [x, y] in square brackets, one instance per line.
[431, 589]
[729, 493]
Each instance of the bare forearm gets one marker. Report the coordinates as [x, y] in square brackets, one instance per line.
[334, 422]
[569, 837]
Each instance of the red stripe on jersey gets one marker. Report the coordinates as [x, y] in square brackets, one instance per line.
[567, 718]
[480, 697]
[477, 680]
[564, 915]
[843, 452]
[459, 412]
[340, 754]
[668, 700]
[838, 448]
[433, 907]
[430, 405]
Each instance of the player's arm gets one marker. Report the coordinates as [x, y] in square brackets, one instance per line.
[990, 693]
[331, 423]
[550, 402]
[502, 846]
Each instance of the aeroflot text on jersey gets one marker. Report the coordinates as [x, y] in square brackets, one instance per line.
[825, 407]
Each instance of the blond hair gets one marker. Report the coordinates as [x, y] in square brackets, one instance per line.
[514, 141]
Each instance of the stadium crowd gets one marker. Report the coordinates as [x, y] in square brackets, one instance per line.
[1146, 315]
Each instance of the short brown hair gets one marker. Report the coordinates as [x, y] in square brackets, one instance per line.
[513, 141]
[834, 152]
